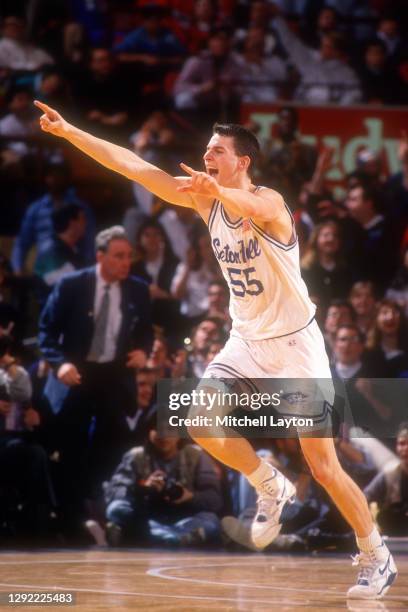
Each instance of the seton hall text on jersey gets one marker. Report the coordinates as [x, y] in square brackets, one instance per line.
[245, 252]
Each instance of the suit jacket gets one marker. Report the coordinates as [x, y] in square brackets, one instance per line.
[67, 323]
[67, 320]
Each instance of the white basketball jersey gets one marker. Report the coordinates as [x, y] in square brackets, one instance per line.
[268, 297]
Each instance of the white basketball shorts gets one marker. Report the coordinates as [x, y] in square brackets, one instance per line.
[299, 360]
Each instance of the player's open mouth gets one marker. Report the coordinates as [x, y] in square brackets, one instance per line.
[212, 171]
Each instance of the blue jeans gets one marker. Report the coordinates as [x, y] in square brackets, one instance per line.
[136, 524]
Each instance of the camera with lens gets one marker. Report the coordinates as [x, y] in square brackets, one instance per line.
[172, 489]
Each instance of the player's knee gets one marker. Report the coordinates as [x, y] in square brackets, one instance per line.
[323, 470]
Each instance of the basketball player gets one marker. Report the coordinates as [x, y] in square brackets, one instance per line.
[274, 333]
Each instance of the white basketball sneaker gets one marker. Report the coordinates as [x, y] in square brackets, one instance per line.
[273, 493]
[375, 575]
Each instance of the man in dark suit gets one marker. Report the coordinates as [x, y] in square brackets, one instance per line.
[95, 329]
[370, 237]
[350, 365]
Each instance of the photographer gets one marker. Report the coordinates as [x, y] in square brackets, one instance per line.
[389, 490]
[27, 498]
[15, 385]
[164, 494]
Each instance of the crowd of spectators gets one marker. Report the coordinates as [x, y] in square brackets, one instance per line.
[78, 432]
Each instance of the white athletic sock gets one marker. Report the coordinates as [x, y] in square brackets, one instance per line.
[262, 472]
[372, 543]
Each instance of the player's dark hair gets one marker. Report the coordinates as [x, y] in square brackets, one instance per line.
[245, 142]
[62, 217]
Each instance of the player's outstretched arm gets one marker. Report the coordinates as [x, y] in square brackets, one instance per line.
[118, 159]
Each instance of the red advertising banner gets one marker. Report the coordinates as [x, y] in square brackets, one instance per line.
[345, 130]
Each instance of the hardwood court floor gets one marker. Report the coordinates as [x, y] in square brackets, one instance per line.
[162, 581]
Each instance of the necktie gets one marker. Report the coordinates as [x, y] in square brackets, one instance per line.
[101, 324]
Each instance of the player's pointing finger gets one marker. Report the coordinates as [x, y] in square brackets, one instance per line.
[42, 106]
[187, 169]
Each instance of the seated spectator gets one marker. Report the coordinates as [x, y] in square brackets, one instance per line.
[154, 50]
[258, 17]
[193, 32]
[388, 32]
[61, 257]
[339, 312]
[323, 266]
[359, 16]
[10, 317]
[387, 341]
[324, 74]
[104, 96]
[36, 226]
[263, 77]
[287, 161]
[157, 264]
[398, 290]
[159, 359]
[25, 474]
[19, 123]
[14, 384]
[389, 490]
[326, 22]
[192, 279]
[208, 83]
[50, 87]
[367, 410]
[164, 494]
[180, 224]
[151, 43]
[203, 336]
[156, 142]
[16, 52]
[379, 81]
[363, 300]
[133, 418]
[218, 304]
